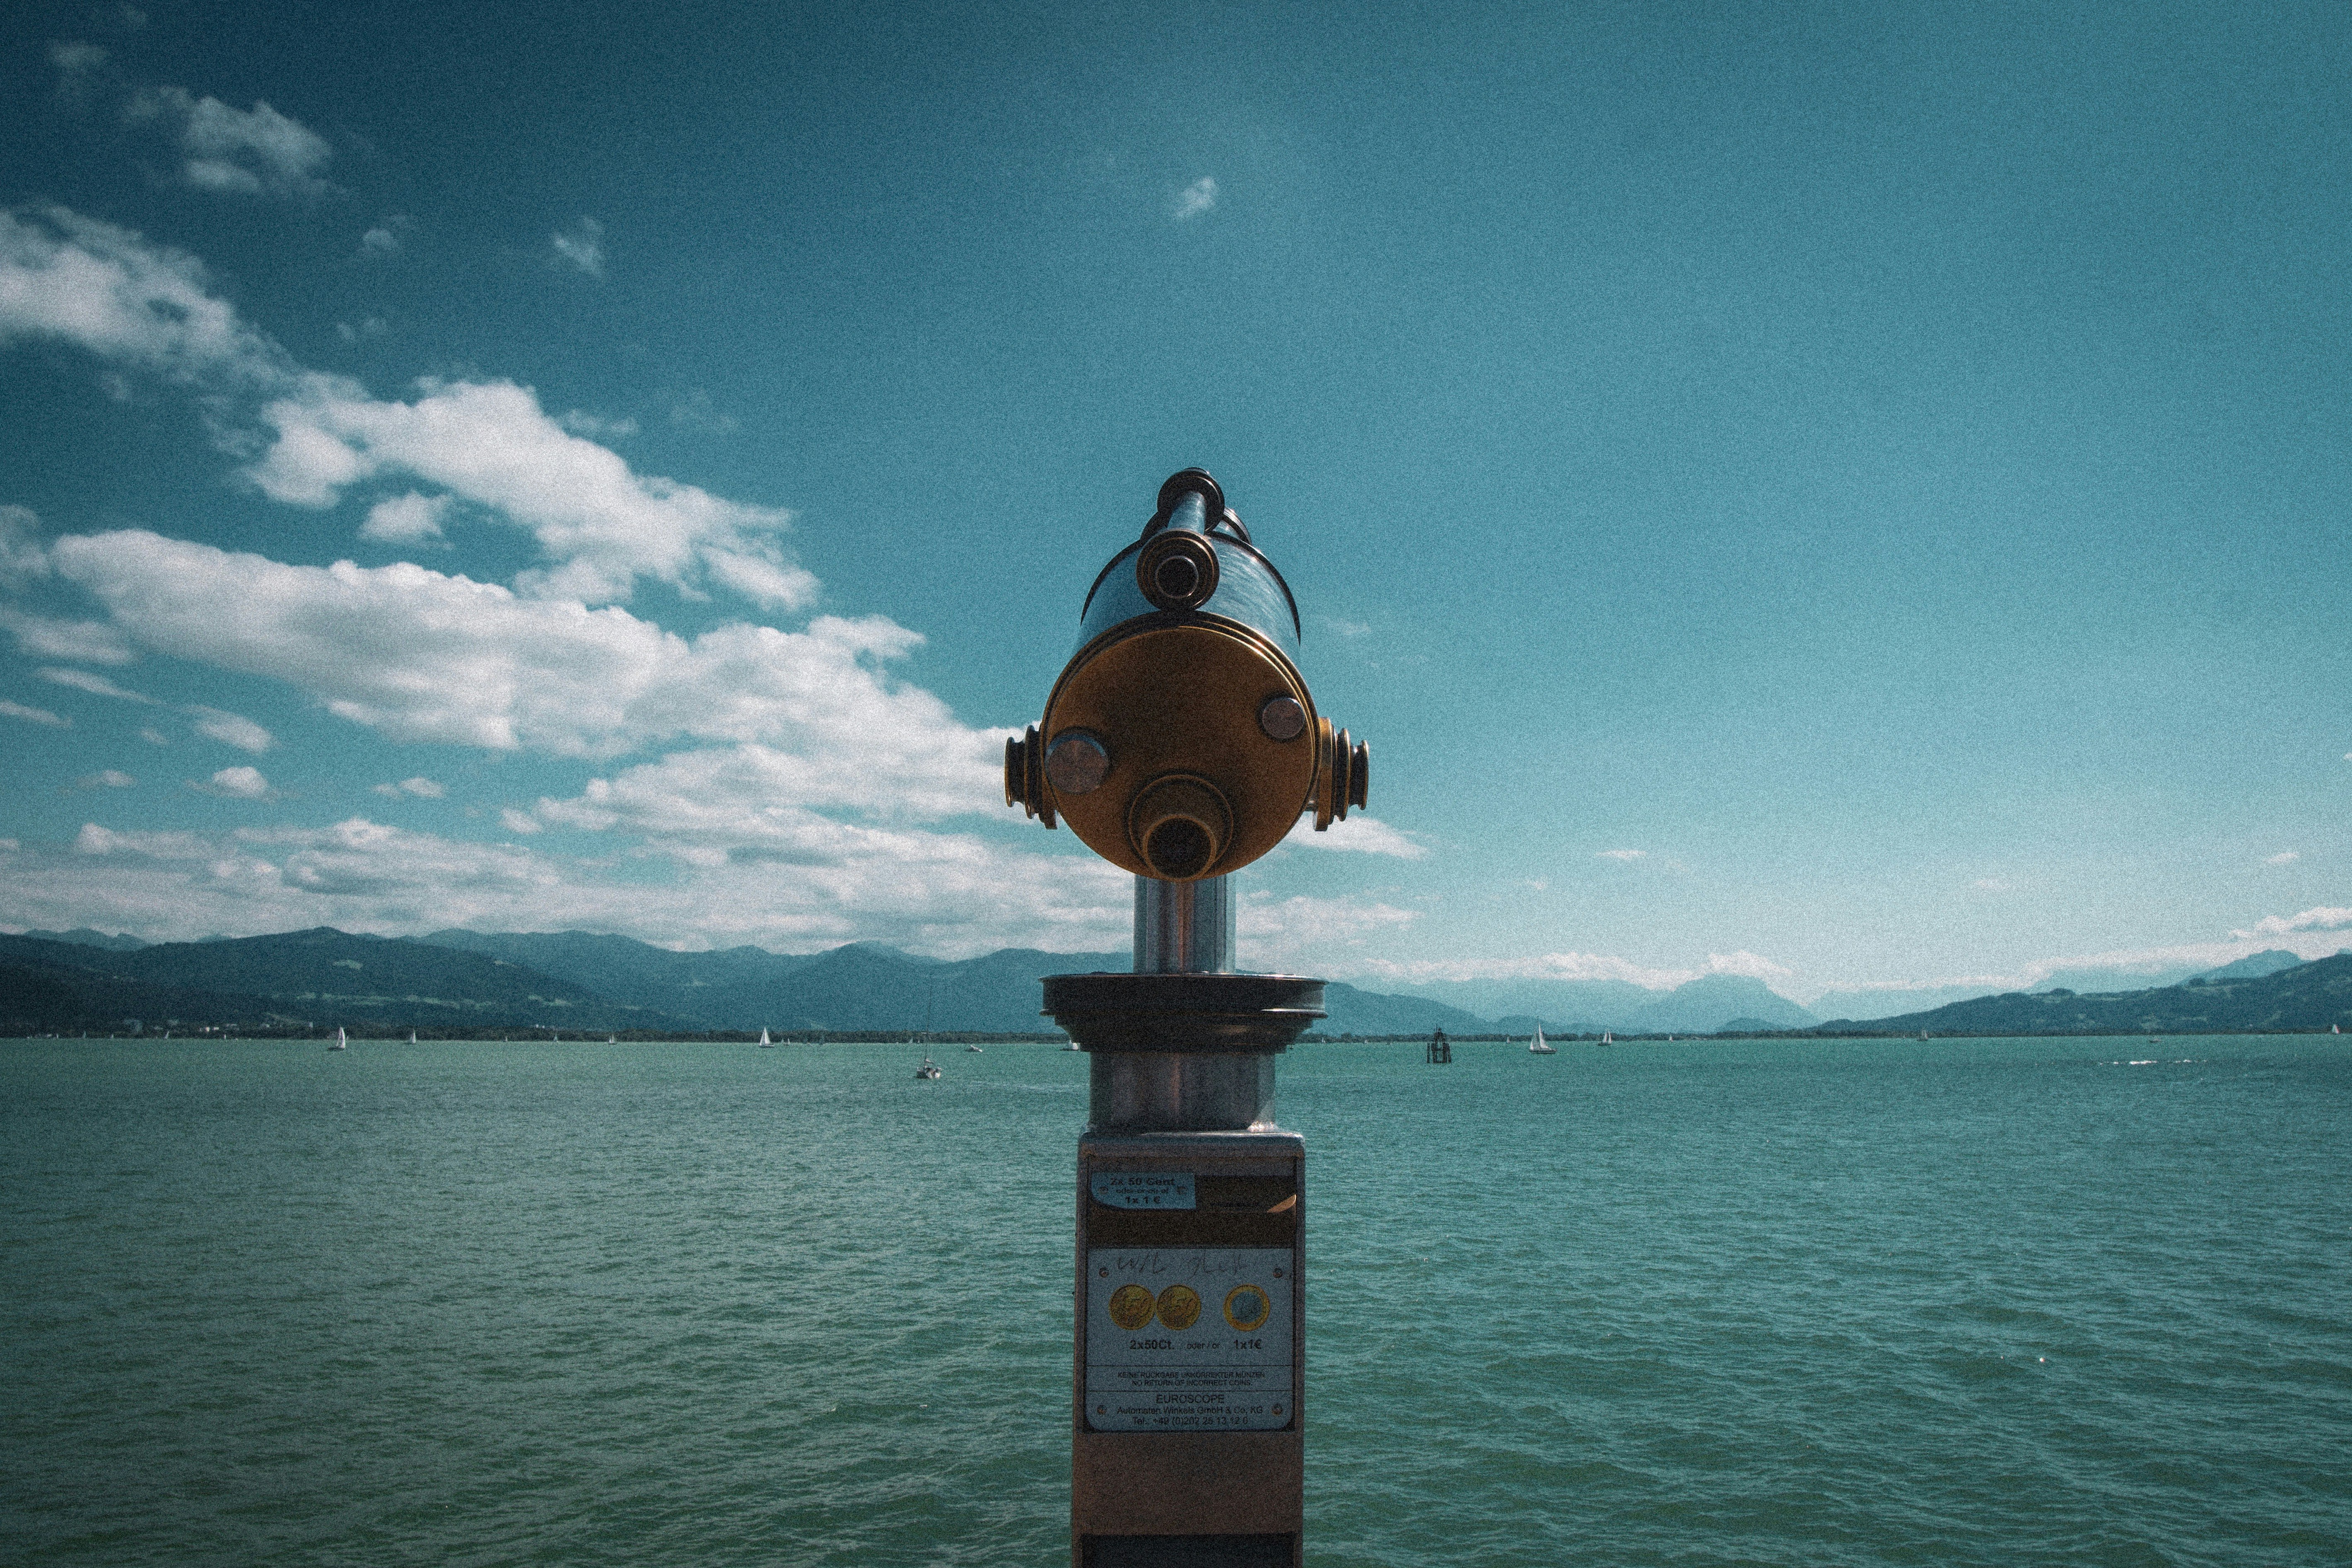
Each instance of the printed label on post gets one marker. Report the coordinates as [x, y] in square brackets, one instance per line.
[1212, 1354]
[1142, 1189]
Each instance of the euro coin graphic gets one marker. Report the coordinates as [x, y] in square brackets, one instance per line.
[1131, 1307]
[1246, 1307]
[1179, 1307]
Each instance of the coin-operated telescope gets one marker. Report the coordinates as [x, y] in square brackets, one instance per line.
[1181, 743]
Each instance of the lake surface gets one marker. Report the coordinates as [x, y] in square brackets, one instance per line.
[2037, 1301]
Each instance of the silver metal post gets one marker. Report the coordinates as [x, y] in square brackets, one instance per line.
[1184, 928]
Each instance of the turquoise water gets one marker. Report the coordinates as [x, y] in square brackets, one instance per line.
[1870, 1302]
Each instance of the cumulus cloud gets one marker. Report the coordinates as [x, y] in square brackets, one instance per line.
[2320, 918]
[245, 151]
[107, 778]
[1626, 855]
[421, 787]
[2284, 857]
[1360, 834]
[521, 822]
[410, 518]
[237, 784]
[230, 729]
[1194, 199]
[75, 280]
[581, 245]
[33, 715]
[600, 525]
[91, 642]
[952, 895]
[421, 656]
[387, 237]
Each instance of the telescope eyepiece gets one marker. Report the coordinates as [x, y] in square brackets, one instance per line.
[1177, 570]
[1181, 825]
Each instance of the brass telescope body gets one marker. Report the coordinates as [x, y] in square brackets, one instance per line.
[1181, 741]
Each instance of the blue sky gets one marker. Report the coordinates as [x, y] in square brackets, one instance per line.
[1849, 495]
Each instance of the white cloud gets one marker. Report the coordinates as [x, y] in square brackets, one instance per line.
[154, 737]
[95, 685]
[425, 656]
[596, 427]
[2320, 918]
[387, 237]
[33, 715]
[405, 520]
[1363, 834]
[602, 526]
[237, 783]
[1194, 199]
[66, 276]
[369, 327]
[1744, 964]
[91, 642]
[230, 729]
[1547, 966]
[76, 58]
[248, 152]
[952, 895]
[1625, 855]
[420, 787]
[21, 554]
[491, 444]
[521, 822]
[583, 246]
[2284, 857]
[107, 778]
[1579, 966]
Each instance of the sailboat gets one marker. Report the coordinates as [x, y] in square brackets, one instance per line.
[765, 1044]
[929, 1069]
[972, 1048]
[1536, 1048]
[340, 1044]
[412, 1037]
[1607, 1038]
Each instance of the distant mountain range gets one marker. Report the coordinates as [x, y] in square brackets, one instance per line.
[577, 981]
[2301, 996]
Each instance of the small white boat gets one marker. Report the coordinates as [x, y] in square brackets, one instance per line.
[1536, 1048]
[766, 1044]
[2332, 1029]
[972, 1048]
[412, 1037]
[611, 1041]
[1074, 1045]
[1607, 1038]
[929, 1069]
[341, 1044]
[1923, 1034]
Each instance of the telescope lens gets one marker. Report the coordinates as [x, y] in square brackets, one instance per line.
[1177, 577]
[1179, 848]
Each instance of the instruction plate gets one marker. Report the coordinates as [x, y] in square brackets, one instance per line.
[1142, 1189]
[1189, 1338]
